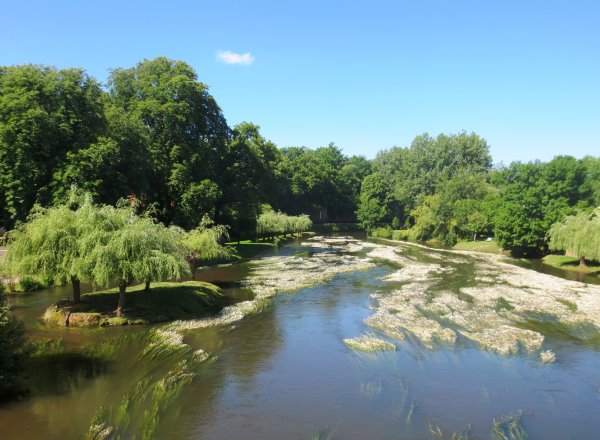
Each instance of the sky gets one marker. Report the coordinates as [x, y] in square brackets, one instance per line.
[366, 75]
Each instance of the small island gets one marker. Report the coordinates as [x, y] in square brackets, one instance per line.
[165, 301]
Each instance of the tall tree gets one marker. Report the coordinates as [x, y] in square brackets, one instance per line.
[44, 114]
[185, 128]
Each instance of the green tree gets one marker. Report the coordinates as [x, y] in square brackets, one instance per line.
[185, 129]
[207, 242]
[116, 166]
[532, 197]
[45, 114]
[132, 248]
[579, 233]
[246, 178]
[52, 243]
[376, 203]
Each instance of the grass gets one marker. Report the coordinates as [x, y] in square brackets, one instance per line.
[250, 249]
[571, 263]
[165, 302]
[490, 247]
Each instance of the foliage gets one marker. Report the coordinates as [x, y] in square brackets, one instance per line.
[381, 232]
[270, 224]
[433, 187]
[45, 113]
[579, 234]
[52, 243]
[133, 248]
[322, 182]
[14, 347]
[533, 196]
[28, 284]
[185, 131]
[206, 242]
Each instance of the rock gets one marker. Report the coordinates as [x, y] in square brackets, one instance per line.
[86, 320]
[57, 315]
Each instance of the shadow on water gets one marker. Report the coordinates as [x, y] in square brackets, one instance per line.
[61, 373]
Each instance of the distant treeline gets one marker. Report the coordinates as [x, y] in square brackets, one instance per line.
[153, 134]
[445, 188]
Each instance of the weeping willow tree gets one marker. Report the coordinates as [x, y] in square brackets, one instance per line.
[206, 242]
[48, 245]
[579, 234]
[270, 223]
[131, 248]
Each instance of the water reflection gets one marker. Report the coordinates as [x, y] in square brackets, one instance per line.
[286, 374]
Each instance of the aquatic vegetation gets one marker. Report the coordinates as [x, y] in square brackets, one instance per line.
[438, 434]
[271, 275]
[547, 357]
[493, 309]
[140, 410]
[371, 388]
[369, 343]
[508, 428]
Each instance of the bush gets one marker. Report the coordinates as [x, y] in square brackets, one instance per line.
[450, 239]
[14, 347]
[28, 284]
[2, 288]
[384, 232]
[400, 234]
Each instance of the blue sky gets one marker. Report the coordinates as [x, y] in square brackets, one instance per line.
[525, 75]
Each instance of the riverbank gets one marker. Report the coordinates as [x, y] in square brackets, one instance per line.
[164, 302]
[489, 247]
[565, 262]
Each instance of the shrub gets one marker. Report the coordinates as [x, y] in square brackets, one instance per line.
[14, 347]
[383, 232]
[28, 284]
[400, 234]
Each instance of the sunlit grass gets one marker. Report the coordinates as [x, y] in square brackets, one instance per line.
[490, 247]
[571, 263]
[165, 301]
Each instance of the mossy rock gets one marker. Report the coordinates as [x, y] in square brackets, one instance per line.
[55, 314]
[81, 319]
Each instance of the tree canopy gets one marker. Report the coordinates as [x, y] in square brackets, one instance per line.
[579, 234]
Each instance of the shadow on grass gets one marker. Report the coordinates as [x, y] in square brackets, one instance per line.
[164, 302]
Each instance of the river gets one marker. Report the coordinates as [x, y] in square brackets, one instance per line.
[479, 348]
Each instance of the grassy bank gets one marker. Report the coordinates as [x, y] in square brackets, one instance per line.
[250, 249]
[164, 302]
[571, 263]
[490, 247]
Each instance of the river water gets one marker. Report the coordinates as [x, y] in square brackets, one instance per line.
[283, 371]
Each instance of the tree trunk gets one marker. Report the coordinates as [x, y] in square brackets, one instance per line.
[76, 289]
[147, 288]
[582, 262]
[121, 306]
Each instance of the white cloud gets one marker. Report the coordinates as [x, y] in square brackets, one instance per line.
[228, 57]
